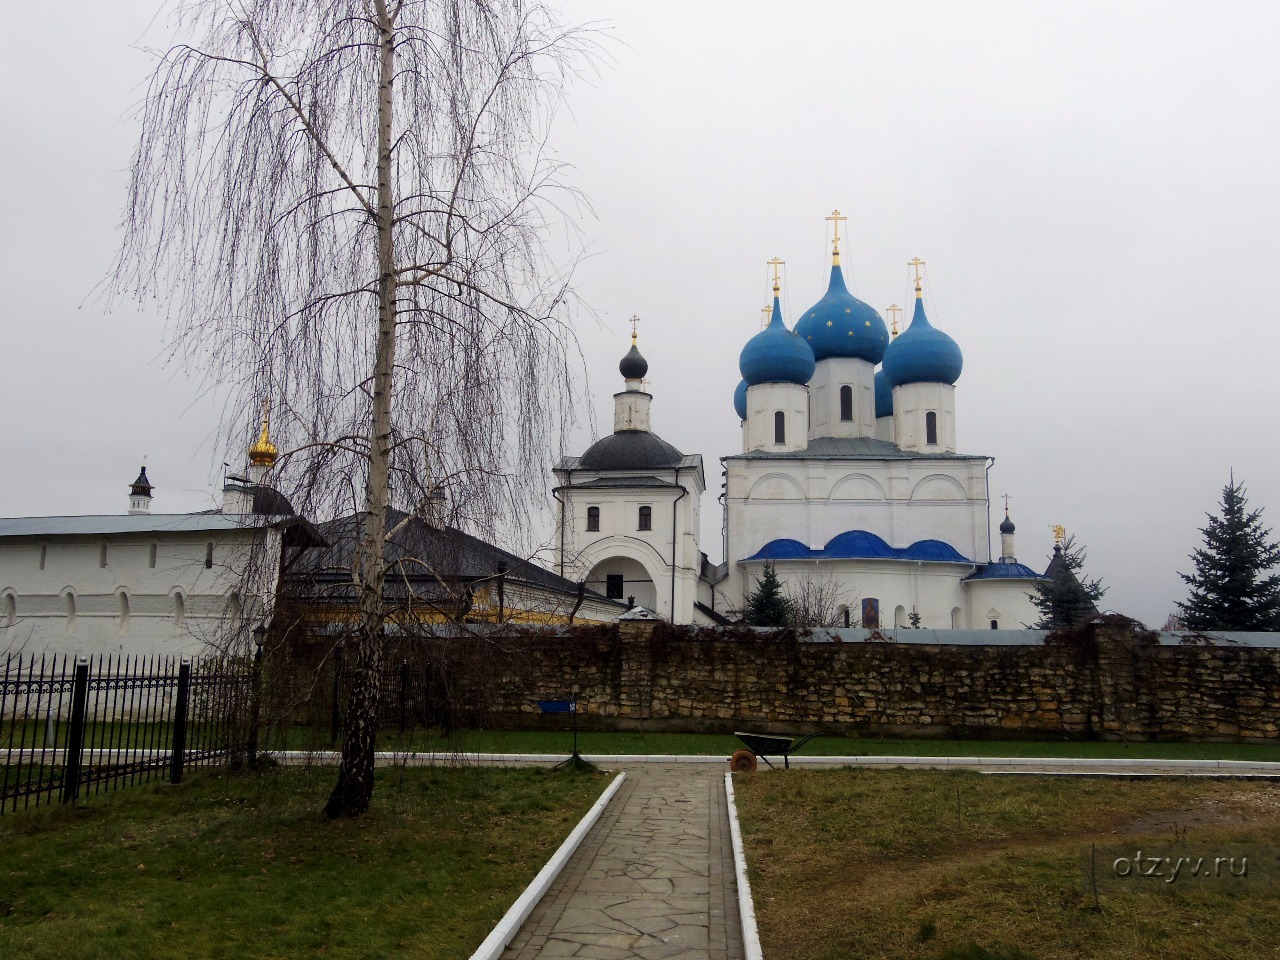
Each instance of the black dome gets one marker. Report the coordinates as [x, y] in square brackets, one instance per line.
[633, 366]
[630, 450]
[1006, 525]
[270, 502]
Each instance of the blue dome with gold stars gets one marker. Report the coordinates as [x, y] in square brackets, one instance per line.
[776, 354]
[841, 325]
[922, 354]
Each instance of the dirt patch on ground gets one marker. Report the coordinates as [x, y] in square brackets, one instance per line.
[1237, 807]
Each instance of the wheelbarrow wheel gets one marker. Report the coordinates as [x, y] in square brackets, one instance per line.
[742, 761]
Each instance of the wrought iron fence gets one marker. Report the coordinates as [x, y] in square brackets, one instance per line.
[74, 726]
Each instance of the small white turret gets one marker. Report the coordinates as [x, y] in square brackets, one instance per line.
[1006, 539]
[631, 407]
[140, 493]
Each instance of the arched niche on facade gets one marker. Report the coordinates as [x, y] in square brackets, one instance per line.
[938, 486]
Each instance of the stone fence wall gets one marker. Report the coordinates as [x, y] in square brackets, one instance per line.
[1105, 681]
[1108, 682]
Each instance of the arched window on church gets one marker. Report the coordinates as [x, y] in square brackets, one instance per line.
[646, 518]
[208, 556]
[956, 614]
[593, 518]
[779, 427]
[843, 613]
[846, 403]
[900, 616]
[930, 427]
[70, 599]
[151, 560]
[179, 611]
[124, 611]
[10, 611]
[102, 554]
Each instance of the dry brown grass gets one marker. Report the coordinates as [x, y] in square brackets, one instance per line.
[958, 865]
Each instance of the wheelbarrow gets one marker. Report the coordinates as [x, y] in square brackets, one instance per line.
[765, 745]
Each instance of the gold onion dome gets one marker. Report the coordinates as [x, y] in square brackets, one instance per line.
[263, 453]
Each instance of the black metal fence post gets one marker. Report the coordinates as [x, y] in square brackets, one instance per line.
[180, 721]
[72, 761]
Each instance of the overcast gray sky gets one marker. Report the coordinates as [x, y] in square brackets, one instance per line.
[1093, 187]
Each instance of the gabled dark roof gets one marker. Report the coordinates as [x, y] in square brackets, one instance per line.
[421, 555]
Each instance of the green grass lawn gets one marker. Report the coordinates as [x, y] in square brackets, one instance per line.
[949, 865]
[722, 745]
[245, 866]
[558, 741]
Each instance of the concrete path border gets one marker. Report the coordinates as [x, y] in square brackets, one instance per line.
[746, 906]
[1119, 766]
[519, 911]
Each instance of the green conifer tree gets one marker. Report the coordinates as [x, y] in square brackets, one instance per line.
[1230, 589]
[767, 605]
[1065, 598]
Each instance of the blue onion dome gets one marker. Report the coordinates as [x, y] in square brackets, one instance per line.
[740, 399]
[884, 396]
[922, 354]
[841, 325]
[1006, 525]
[633, 366]
[776, 354]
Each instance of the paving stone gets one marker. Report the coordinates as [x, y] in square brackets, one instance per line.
[653, 880]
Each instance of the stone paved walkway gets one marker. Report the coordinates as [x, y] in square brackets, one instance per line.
[654, 879]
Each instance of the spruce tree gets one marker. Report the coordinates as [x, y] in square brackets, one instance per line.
[1230, 589]
[767, 605]
[1065, 597]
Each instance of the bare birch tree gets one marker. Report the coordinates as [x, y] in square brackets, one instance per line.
[348, 206]
[818, 601]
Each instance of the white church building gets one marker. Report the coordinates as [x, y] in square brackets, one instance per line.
[849, 477]
[142, 583]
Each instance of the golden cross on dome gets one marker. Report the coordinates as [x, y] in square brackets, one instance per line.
[835, 219]
[893, 310]
[767, 310]
[776, 263]
[915, 264]
[1059, 533]
[633, 321]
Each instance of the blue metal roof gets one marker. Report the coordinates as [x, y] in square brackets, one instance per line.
[861, 545]
[922, 354]
[1004, 571]
[935, 550]
[884, 395]
[776, 355]
[841, 325]
[740, 399]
